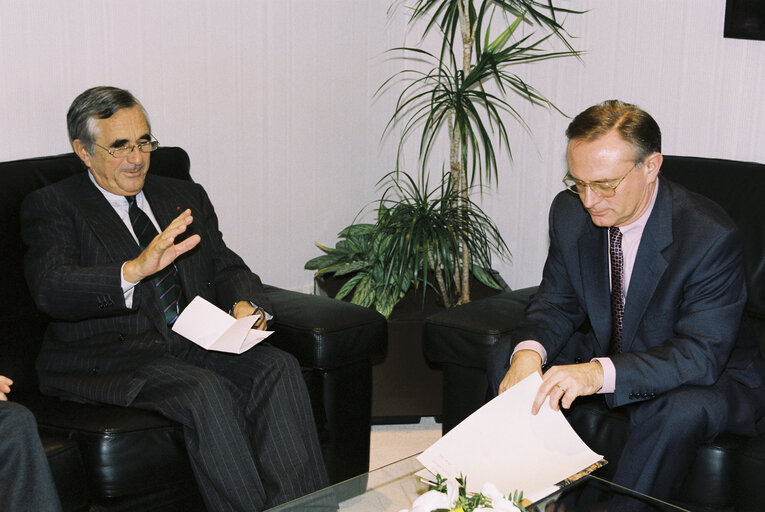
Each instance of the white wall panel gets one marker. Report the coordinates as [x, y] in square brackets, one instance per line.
[273, 101]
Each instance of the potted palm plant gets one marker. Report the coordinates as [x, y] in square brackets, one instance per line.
[417, 226]
[439, 239]
[468, 98]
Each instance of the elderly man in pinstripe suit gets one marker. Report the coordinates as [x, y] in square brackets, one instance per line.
[113, 255]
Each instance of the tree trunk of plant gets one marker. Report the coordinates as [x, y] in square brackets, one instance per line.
[460, 183]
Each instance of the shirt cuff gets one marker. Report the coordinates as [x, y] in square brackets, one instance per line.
[609, 374]
[127, 287]
[269, 316]
[531, 345]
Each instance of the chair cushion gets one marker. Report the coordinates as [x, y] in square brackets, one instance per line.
[325, 333]
[139, 452]
[465, 334]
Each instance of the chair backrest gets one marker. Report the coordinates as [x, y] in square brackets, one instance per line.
[21, 325]
[739, 187]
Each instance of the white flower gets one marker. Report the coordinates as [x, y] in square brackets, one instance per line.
[452, 490]
[498, 502]
[431, 500]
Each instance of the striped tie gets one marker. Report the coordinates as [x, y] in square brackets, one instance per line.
[166, 280]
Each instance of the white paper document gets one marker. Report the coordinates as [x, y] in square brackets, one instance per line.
[212, 328]
[503, 443]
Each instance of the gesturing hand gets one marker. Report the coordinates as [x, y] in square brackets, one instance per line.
[562, 384]
[162, 251]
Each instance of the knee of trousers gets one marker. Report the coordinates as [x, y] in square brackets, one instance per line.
[278, 359]
[497, 363]
[685, 411]
[208, 393]
[17, 418]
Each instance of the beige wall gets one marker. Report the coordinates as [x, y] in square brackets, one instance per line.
[274, 102]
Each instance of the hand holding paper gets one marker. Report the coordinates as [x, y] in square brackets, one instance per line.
[213, 329]
[505, 444]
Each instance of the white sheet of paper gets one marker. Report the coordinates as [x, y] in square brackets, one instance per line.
[503, 443]
[213, 329]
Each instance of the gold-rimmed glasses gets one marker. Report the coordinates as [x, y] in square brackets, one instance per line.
[603, 188]
[146, 146]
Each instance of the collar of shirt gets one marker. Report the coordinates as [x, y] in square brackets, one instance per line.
[631, 235]
[120, 205]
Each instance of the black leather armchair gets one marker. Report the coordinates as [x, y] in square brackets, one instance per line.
[729, 473]
[108, 458]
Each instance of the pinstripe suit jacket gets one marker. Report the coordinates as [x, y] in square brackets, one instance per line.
[76, 245]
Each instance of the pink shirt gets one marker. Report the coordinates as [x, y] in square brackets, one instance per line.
[631, 235]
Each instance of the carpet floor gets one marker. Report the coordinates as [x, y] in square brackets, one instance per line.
[390, 443]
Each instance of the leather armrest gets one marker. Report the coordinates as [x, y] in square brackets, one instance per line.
[464, 334]
[325, 333]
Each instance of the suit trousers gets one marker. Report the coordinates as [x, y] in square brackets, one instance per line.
[26, 483]
[666, 431]
[247, 421]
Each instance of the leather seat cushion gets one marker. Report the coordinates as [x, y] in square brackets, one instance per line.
[465, 334]
[140, 452]
[341, 333]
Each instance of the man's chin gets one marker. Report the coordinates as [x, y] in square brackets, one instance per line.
[133, 185]
[602, 221]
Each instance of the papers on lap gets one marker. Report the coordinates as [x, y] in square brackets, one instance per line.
[503, 443]
[213, 329]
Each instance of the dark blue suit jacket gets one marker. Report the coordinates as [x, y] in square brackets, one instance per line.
[76, 247]
[683, 308]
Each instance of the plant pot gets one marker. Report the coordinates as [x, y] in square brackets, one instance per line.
[405, 386]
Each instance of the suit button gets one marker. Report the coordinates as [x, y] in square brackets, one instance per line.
[94, 371]
[209, 284]
[121, 337]
[632, 396]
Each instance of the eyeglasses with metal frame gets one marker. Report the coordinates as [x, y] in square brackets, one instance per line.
[605, 188]
[146, 146]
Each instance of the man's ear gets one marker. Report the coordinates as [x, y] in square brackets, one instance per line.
[81, 151]
[653, 165]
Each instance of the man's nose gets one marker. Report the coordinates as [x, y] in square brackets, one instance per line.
[135, 156]
[588, 197]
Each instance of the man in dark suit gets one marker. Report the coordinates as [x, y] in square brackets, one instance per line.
[113, 255]
[26, 482]
[641, 301]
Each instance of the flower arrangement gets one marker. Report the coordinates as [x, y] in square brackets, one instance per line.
[451, 496]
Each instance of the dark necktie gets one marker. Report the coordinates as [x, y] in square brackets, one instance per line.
[166, 280]
[617, 287]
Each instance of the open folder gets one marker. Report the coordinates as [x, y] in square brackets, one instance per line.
[503, 443]
[212, 328]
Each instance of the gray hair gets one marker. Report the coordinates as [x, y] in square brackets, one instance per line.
[97, 103]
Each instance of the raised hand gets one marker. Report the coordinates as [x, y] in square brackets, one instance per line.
[162, 251]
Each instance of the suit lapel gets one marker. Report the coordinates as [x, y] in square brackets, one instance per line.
[593, 261]
[650, 264]
[107, 226]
